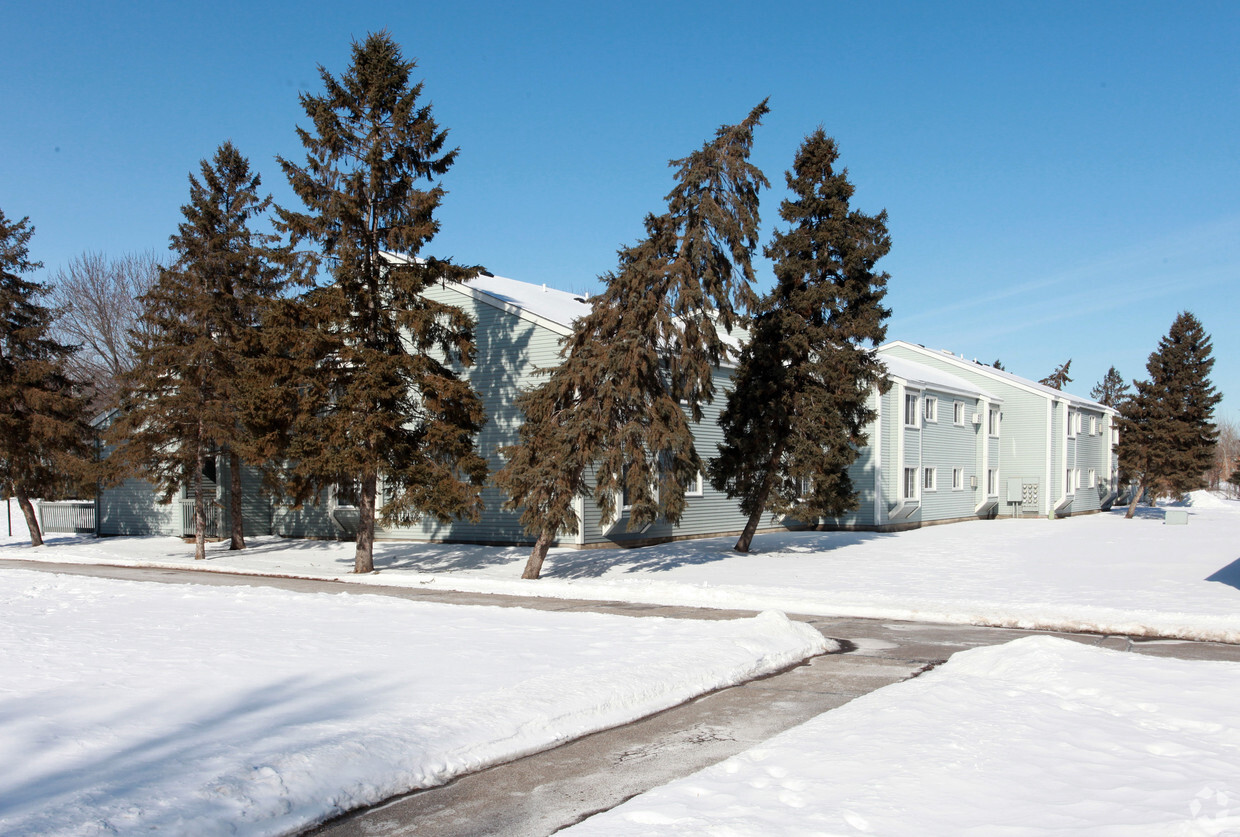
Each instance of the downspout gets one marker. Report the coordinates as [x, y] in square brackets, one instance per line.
[879, 505]
[1045, 502]
[980, 507]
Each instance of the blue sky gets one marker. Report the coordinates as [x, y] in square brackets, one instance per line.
[1061, 178]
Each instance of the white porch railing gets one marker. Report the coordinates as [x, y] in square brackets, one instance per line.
[215, 519]
[72, 516]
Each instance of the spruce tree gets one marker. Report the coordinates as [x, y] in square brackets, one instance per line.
[197, 388]
[797, 416]
[1167, 434]
[384, 399]
[638, 368]
[1112, 390]
[44, 437]
[1059, 378]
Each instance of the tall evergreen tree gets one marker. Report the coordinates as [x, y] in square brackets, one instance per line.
[1112, 390]
[797, 415]
[1059, 378]
[196, 389]
[612, 410]
[44, 445]
[384, 399]
[1167, 433]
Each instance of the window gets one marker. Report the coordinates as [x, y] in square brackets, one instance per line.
[1072, 417]
[927, 479]
[1093, 478]
[805, 487]
[1093, 426]
[1080, 423]
[992, 426]
[694, 489]
[910, 409]
[1067, 481]
[957, 479]
[347, 495]
[992, 482]
[910, 483]
[1076, 479]
[958, 412]
[930, 408]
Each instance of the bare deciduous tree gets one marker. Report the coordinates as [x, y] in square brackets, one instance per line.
[1226, 455]
[97, 303]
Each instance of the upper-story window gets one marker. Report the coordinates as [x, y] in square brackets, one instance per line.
[930, 408]
[992, 421]
[1072, 423]
[910, 409]
[958, 412]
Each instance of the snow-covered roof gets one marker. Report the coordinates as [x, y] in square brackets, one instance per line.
[919, 375]
[550, 307]
[1000, 375]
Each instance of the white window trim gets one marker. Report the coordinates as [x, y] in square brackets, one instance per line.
[1072, 417]
[910, 479]
[698, 487]
[335, 498]
[957, 479]
[958, 413]
[915, 412]
[929, 479]
[1093, 478]
[992, 482]
[930, 409]
[1067, 479]
[993, 419]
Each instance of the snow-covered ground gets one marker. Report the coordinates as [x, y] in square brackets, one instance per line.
[131, 708]
[1037, 737]
[1094, 573]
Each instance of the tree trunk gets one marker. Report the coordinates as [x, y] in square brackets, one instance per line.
[1132, 504]
[234, 501]
[751, 525]
[32, 520]
[533, 567]
[364, 557]
[200, 512]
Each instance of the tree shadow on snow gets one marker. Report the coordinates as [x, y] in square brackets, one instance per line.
[594, 563]
[1229, 575]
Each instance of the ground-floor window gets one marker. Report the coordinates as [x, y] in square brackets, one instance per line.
[694, 488]
[957, 479]
[927, 479]
[910, 483]
[992, 482]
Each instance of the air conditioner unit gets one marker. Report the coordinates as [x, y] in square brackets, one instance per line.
[977, 418]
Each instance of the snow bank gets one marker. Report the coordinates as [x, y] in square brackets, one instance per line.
[1208, 500]
[1039, 736]
[136, 708]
